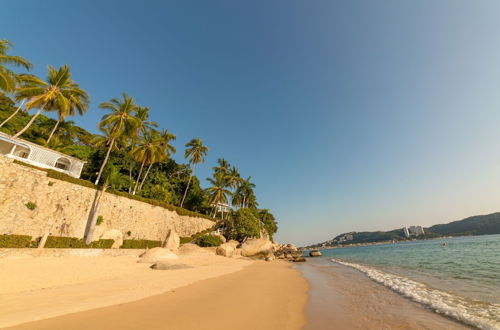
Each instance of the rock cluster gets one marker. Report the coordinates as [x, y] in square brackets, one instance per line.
[288, 252]
[315, 253]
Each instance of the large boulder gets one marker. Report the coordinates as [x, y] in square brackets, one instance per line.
[257, 248]
[172, 241]
[169, 266]
[157, 254]
[115, 235]
[315, 253]
[226, 250]
[193, 250]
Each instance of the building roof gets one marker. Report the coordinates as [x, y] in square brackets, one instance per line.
[18, 141]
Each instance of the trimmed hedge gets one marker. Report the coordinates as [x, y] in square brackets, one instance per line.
[139, 244]
[209, 240]
[64, 177]
[76, 243]
[17, 241]
[194, 237]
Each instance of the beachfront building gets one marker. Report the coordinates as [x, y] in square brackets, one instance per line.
[36, 155]
[413, 230]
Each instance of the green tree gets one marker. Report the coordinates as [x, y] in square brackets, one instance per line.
[149, 149]
[196, 152]
[58, 92]
[242, 224]
[244, 193]
[218, 192]
[120, 123]
[8, 78]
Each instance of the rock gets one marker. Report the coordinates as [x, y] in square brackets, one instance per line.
[257, 248]
[172, 241]
[157, 254]
[301, 259]
[233, 243]
[190, 249]
[225, 250]
[167, 266]
[271, 258]
[315, 253]
[115, 235]
[291, 247]
[296, 254]
[288, 256]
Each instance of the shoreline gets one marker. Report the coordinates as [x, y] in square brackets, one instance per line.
[345, 297]
[262, 295]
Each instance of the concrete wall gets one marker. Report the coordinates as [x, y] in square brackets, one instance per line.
[63, 209]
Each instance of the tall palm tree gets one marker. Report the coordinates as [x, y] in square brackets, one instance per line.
[196, 152]
[8, 78]
[58, 92]
[149, 150]
[218, 192]
[142, 114]
[120, 122]
[164, 137]
[243, 194]
[233, 178]
[223, 166]
[63, 112]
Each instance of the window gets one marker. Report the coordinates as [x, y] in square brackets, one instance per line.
[63, 164]
[24, 154]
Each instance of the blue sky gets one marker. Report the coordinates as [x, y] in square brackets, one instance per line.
[348, 115]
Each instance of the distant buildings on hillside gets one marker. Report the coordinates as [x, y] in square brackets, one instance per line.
[413, 230]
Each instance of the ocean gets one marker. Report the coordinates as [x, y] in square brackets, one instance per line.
[460, 280]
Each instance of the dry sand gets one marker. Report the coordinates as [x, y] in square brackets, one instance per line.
[264, 295]
[34, 288]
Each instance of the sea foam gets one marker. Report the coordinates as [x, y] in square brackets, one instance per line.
[476, 313]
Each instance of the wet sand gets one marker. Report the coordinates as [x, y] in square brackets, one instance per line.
[264, 295]
[343, 298]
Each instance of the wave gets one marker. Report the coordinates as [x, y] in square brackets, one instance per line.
[475, 313]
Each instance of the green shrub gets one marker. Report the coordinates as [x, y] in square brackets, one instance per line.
[140, 244]
[31, 205]
[51, 183]
[16, 241]
[76, 243]
[100, 220]
[129, 233]
[184, 240]
[209, 240]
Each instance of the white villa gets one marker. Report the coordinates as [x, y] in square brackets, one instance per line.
[36, 155]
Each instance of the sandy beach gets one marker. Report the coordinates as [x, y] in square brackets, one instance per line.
[214, 292]
[343, 298]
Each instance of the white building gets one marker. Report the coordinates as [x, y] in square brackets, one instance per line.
[221, 207]
[36, 155]
[413, 230]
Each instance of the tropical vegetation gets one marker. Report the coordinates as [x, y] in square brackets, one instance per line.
[131, 155]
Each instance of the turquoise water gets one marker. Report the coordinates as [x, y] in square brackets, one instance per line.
[461, 280]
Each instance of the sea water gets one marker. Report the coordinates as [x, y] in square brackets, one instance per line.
[458, 277]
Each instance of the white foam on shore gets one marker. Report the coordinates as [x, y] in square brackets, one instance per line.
[476, 313]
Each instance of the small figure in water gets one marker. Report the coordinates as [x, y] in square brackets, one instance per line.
[444, 244]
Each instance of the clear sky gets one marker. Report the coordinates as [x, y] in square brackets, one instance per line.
[348, 115]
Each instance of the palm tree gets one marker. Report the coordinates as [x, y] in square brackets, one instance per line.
[13, 114]
[223, 166]
[164, 137]
[63, 112]
[244, 193]
[218, 192]
[120, 122]
[149, 150]
[58, 92]
[8, 78]
[233, 177]
[196, 153]
[142, 114]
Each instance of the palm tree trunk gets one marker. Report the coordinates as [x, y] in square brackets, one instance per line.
[15, 112]
[145, 176]
[53, 130]
[105, 161]
[187, 187]
[31, 121]
[93, 220]
[130, 177]
[138, 177]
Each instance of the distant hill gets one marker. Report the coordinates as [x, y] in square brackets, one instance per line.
[476, 225]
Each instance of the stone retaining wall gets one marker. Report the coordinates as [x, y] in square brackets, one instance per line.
[62, 208]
